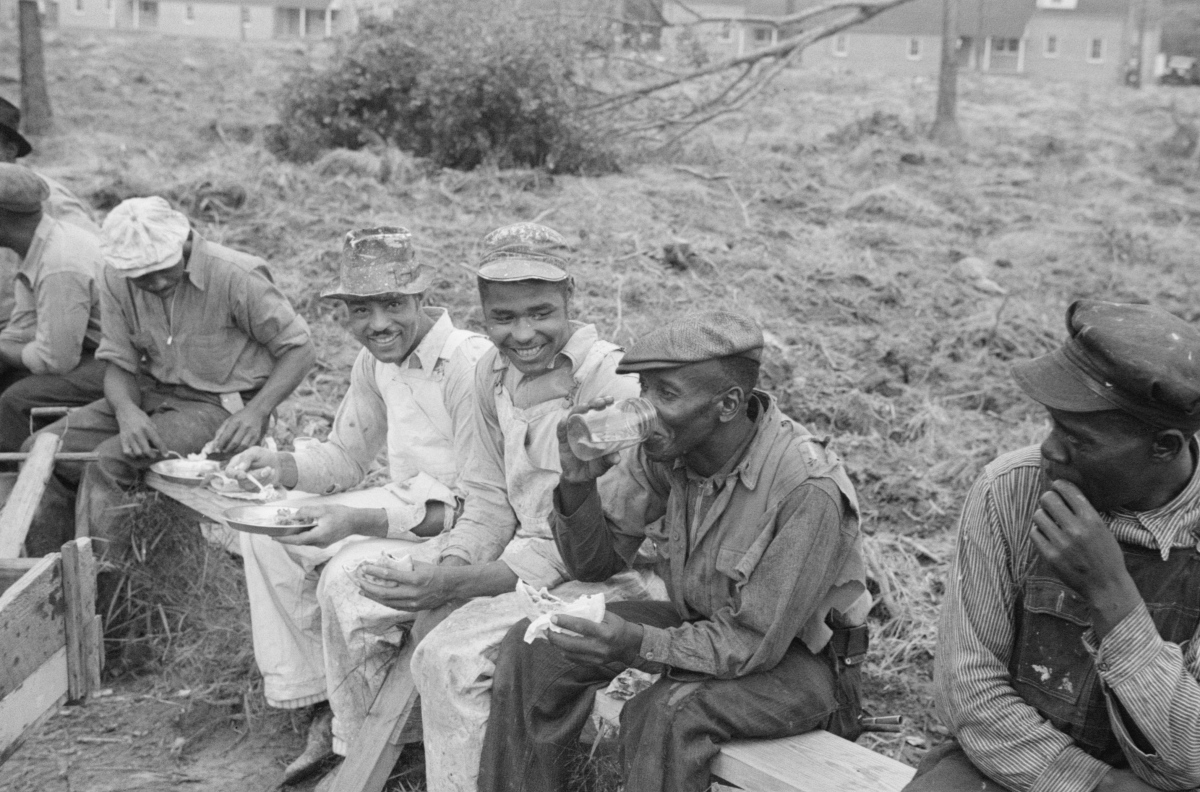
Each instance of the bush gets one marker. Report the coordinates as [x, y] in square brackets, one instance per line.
[461, 82]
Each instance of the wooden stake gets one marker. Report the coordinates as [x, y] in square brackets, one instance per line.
[35, 99]
[79, 594]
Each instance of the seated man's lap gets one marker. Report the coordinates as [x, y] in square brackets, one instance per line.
[947, 769]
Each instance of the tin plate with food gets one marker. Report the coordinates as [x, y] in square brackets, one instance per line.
[267, 520]
[188, 472]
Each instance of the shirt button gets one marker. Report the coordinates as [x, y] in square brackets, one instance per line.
[1103, 668]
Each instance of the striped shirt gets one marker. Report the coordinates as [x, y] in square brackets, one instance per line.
[1157, 682]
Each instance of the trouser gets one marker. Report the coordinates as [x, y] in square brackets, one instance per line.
[79, 386]
[285, 586]
[947, 769]
[670, 732]
[454, 664]
[97, 492]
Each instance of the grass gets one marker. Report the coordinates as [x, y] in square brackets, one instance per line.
[896, 281]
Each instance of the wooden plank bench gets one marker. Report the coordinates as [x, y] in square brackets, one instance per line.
[813, 762]
[49, 638]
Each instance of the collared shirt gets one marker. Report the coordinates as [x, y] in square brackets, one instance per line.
[421, 407]
[1155, 681]
[488, 525]
[755, 556]
[57, 306]
[220, 331]
[61, 205]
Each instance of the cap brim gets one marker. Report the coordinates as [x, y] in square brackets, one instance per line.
[340, 291]
[515, 269]
[140, 271]
[23, 146]
[647, 365]
[1052, 380]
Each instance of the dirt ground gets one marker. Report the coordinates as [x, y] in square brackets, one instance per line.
[896, 282]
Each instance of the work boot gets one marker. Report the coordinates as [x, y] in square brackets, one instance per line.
[318, 747]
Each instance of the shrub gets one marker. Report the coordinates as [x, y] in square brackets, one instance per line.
[461, 82]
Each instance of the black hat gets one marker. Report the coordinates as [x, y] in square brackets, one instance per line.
[1138, 359]
[10, 120]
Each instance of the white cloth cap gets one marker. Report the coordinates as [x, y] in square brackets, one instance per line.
[143, 235]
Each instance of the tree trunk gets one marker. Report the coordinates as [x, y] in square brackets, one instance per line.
[35, 101]
[945, 125]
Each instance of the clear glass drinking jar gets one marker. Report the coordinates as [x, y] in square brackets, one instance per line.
[621, 425]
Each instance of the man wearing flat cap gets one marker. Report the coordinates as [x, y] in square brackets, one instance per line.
[60, 203]
[200, 348]
[756, 529]
[542, 365]
[47, 350]
[412, 391]
[1068, 658]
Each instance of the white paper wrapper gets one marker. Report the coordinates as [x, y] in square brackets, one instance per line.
[384, 559]
[540, 605]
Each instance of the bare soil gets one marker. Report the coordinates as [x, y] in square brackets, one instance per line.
[896, 281]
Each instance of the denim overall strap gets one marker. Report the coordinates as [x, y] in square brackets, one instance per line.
[1052, 669]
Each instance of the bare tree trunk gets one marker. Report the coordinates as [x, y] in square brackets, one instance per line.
[945, 125]
[35, 101]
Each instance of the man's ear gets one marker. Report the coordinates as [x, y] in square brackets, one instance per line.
[1168, 445]
[733, 403]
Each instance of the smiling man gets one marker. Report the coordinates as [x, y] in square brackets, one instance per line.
[200, 346]
[1068, 658]
[756, 528]
[412, 392]
[543, 365]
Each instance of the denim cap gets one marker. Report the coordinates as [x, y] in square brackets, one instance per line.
[697, 337]
[143, 235]
[10, 123]
[1138, 359]
[379, 261]
[524, 251]
[21, 190]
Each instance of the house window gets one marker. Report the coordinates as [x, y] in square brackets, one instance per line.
[245, 16]
[78, 6]
[1051, 49]
[1005, 44]
[1096, 50]
[108, 5]
[914, 49]
[726, 33]
[762, 35]
[189, 13]
[839, 46]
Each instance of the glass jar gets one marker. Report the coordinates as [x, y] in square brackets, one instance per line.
[621, 425]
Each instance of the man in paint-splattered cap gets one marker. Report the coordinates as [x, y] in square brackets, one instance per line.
[412, 391]
[756, 528]
[1069, 651]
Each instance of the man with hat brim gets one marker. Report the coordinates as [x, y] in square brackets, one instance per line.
[200, 347]
[61, 203]
[543, 364]
[756, 528]
[47, 350]
[1068, 656]
[412, 391]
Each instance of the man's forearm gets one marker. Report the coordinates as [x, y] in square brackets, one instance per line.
[121, 389]
[582, 533]
[10, 354]
[289, 371]
[480, 580]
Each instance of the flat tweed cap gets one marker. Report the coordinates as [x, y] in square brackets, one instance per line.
[1135, 358]
[143, 235]
[21, 190]
[524, 251]
[379, 261]
[694, 338]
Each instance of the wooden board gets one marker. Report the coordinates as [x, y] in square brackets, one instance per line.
[200, 499]
[81, 622]
[31, 622]
[12, 570]
[374, 753]
[813, 762]
[18, 511]
[35, 698]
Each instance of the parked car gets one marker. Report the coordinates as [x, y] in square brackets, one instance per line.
[1181, 70]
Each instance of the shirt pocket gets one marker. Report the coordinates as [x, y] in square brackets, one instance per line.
[145, 346]
[1051, 656]
[213, 355]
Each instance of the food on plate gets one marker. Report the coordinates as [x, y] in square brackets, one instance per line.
[252, 481]
[540, 605]
[289, 517]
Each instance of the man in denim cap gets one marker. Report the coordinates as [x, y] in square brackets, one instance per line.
[756, 529]
[412, 392]
[1068, 658]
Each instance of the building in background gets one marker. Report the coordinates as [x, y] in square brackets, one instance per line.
[1094, 41]
[228, 19]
